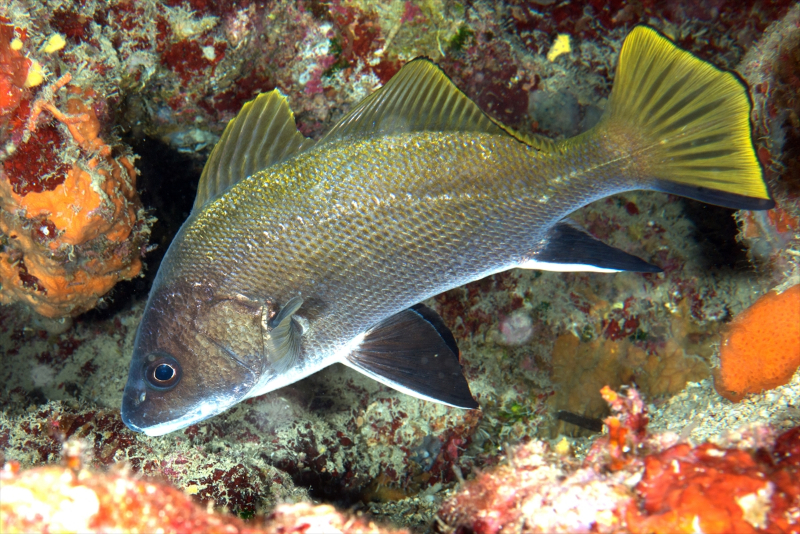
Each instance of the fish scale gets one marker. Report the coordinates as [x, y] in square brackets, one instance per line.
[454, 225]
[298, 255]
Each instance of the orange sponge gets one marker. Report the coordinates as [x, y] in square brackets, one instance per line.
[70, 227]
[761, 349]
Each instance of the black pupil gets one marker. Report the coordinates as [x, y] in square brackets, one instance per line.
[164, 372]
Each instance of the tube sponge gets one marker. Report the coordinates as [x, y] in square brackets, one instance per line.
[761, 348]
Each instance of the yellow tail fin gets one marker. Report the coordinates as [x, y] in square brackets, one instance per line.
[690, 121]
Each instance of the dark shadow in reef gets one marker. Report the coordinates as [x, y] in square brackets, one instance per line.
[344, 489]
[167, 184]
[715, 232]
[323, 486]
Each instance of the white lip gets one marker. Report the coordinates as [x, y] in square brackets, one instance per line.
[204, 411]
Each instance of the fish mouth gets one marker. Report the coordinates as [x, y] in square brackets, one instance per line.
[140, 419]
[146, 410]
[130, 424]
[204, 411]
[132, 397]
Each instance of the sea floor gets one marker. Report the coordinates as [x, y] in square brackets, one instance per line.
[340, 437]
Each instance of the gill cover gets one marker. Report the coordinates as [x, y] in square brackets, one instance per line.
[186, 365]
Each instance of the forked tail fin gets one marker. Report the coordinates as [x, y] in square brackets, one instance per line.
[688, 121]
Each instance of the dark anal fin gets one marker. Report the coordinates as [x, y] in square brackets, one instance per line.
[570, 248]
[414, 352]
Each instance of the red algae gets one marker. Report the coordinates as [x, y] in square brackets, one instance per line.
[186, 58]
[13, 72]
[72, 24]
[75, 499]
[716, 491]
[34, 166]
[632, 481]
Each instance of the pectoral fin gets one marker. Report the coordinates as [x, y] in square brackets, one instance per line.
[282, 340]
[570, 248]
[414, 352]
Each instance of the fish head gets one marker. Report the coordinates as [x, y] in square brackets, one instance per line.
[195, 355]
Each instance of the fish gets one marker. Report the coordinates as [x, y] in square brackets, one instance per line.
[300, 254]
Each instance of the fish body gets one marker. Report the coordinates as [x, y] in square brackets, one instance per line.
[298, 255]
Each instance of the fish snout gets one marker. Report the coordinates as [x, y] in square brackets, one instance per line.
[132, 398]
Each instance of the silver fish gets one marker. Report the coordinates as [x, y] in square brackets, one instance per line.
[298, 255]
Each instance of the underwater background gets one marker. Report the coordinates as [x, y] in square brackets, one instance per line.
[108, 111]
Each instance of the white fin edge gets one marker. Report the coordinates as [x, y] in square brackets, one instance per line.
[394, 385]
[341, 357]
[564, 267]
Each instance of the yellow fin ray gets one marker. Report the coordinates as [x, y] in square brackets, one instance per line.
[418, 98]
[262, 134]
[690, 119]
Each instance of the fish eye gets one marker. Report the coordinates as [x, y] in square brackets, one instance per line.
[162, 371]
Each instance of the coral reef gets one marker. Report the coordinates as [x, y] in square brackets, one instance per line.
[581, 369]
[716, 490]
[184, 67]
[71, 224]
[761, 348]
[770, 68]
[532, 343]
[631, 481]
[76, 499]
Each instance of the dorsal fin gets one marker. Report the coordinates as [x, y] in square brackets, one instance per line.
[262, 134]
[539, 142]
[418, 98]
